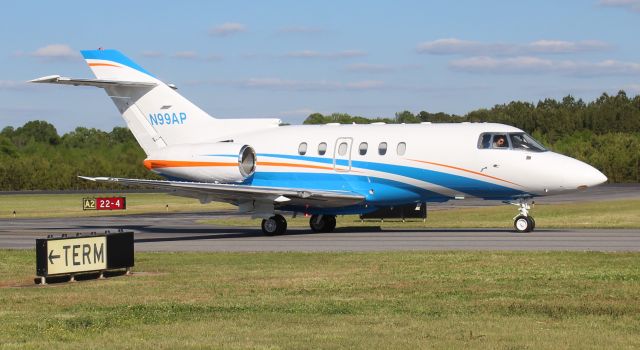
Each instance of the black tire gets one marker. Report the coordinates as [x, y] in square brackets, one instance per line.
[270, 226]
[533, 222]
[522, 224]
[331, 223]
[282, 223]
[317, 226]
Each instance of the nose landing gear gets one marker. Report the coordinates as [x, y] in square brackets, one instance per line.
[523, 222]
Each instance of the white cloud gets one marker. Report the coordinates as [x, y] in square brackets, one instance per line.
[186, 55]
[453, 46]
[55, 52]
[317, 54]
[531, 65]
[227, 29]
[632, 5]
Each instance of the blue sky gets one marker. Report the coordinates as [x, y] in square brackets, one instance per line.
[288, 59]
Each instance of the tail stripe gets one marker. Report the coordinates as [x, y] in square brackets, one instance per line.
[113, 56]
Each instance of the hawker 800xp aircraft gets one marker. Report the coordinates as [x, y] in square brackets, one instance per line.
[267, 170]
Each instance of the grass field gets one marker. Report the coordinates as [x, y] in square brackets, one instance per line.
[602, 214]
[332, 300]
[70, 205]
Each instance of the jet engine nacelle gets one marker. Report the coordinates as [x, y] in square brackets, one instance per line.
[222, 162]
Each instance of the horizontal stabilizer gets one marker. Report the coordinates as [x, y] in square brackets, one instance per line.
[56, 79]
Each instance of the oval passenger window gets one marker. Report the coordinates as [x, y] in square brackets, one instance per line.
[402, 149]
[322, 148]
[382, 148]
[302, 149]
[342, 149]
[363, 148]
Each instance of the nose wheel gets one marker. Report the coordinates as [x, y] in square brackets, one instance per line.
[275, 225]
[322, 223]
[523, 222]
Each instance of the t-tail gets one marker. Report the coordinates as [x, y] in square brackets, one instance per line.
[157, 115]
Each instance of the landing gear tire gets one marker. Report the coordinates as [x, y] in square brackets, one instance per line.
[533, 223]
[322, 223]
[523, 223]
[275, 225]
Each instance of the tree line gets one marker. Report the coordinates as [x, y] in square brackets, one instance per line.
[604, 133]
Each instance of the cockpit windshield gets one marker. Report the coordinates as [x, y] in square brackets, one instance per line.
[512, 140]
[526, 142]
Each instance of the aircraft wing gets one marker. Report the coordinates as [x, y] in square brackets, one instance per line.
[56, 79]
[237, 193]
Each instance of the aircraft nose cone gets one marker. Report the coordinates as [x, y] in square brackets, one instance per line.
[586, 176]
[597, 178]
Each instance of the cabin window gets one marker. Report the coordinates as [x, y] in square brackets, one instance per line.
[401, 149]
[342, 149]
[484, 141]
[302, 149]
[494, 141]
[382, 148]
[363, 148]
[322, 148]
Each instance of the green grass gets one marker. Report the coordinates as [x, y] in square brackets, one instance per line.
[505, 300]
[70, 205]
[603, 214]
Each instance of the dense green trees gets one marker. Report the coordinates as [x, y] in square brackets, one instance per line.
[34, 156]
[604, 133]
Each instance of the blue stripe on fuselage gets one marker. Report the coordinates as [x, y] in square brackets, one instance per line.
[474, 187]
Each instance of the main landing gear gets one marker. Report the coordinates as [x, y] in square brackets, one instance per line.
[322, 223]
[277, 224]
[523, 222]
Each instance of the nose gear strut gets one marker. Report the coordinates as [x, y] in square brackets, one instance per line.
[523, 222]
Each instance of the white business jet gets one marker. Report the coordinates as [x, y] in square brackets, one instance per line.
[267, 170]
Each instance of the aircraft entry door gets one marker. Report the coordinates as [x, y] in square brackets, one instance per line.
[342, 154]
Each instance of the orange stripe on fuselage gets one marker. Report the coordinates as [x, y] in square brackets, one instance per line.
[465, 170]
[153, 164]
[103, 64]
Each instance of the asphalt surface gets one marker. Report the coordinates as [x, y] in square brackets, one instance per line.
[181, 232]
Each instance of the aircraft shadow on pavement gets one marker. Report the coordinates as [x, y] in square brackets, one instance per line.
[238, 233]
[209, 233]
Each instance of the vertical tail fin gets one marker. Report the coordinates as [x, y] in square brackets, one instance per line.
[157, 115]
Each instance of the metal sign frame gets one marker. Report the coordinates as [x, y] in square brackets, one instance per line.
[117, 252]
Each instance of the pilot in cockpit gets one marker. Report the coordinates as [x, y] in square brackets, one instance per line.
[499, 141]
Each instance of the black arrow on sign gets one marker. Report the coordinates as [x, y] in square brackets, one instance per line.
[51, 257]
